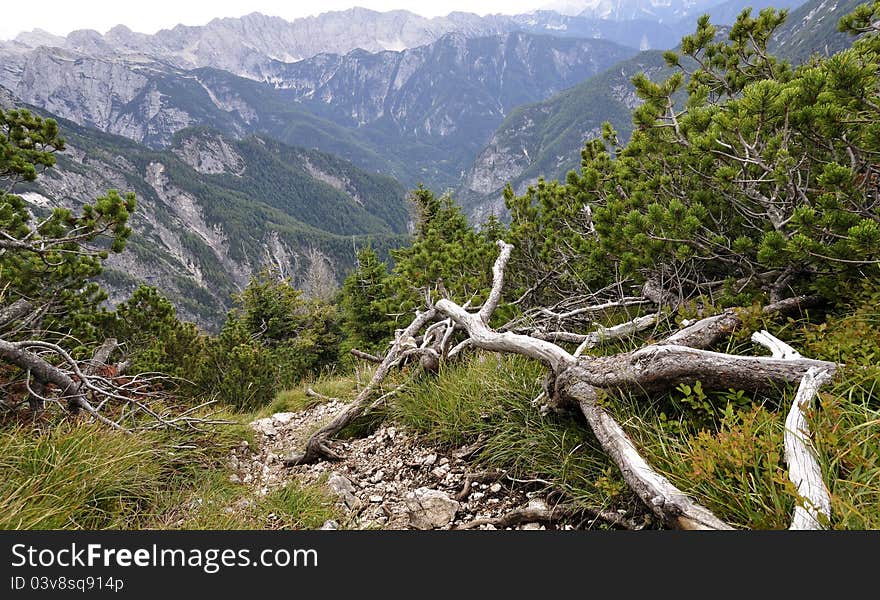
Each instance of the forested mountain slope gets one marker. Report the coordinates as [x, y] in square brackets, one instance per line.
[544, 139]
[213, 210]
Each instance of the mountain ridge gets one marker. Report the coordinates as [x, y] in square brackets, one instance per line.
[419, 115]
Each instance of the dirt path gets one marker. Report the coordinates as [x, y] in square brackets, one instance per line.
[388, 480]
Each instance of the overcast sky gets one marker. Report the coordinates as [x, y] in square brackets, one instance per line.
[148, 16]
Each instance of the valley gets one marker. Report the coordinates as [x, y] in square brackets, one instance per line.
[461, 104]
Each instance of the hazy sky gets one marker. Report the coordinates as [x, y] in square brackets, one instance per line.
[148, 16]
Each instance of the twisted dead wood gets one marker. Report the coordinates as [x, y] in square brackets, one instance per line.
[655, 367]
[814, 508]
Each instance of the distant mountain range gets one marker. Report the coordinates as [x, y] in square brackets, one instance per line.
[420, 115]
[259, 141]
[662, 11]
[679, 15]
[248, 46]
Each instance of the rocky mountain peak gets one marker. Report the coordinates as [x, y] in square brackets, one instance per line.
[39, 37]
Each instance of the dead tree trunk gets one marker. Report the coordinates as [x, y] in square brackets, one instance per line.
[46, 373]
[575, 379]
[814, 508]
[94, 388]
[664, 499]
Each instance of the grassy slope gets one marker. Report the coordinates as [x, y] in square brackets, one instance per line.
[79, 476]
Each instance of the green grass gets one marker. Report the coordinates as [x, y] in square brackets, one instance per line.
[489, 397]
[82, 476]
[297, 506]
[75, 477]
[736, 471]
[847, 436]
[213, 502]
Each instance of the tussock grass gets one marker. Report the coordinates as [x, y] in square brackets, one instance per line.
[85, 476]
[75, 477]
[213, 502]
[489, 397]
[847, 437]
[332, 385]
[297, 506]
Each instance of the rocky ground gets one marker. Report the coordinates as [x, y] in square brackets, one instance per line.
[388, 480]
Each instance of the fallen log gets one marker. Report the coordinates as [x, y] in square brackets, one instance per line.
[814, 509]
[804, 470]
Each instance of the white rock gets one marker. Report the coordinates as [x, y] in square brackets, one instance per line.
[343, 488]
[283, 418]
[477, 495]
[376, 499]
[264, 426]
[495, 488]
[377, 476]
[430, 460]
[532, 527]
[234, 478]
[429, 509]
[330, 524]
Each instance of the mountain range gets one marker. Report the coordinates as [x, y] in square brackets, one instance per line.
[420, 114]
[258, 141]
[248, 46]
